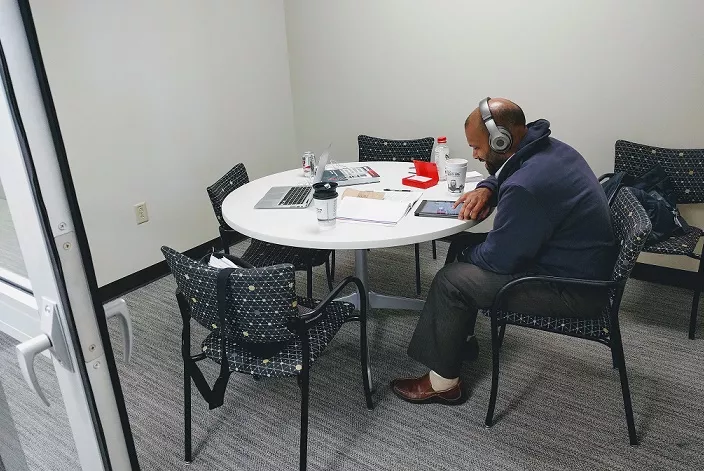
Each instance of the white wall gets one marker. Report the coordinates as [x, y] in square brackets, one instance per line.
[156, 100]
[599, 70]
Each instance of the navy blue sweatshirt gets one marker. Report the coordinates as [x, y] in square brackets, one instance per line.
[552, 216]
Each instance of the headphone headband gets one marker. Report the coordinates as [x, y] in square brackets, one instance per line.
[500, 138]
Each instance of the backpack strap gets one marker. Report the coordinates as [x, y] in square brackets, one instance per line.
[215, 396]
[612, 185]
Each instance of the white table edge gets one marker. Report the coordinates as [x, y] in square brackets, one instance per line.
[334, 245]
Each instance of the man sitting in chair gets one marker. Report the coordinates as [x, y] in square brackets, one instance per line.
[552, 218]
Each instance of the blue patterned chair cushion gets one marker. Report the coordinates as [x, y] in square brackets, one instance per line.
[685, 167]
[593, 329]
[259, 253]
[260, 301]
[631, 228]
[263, 254]
[682, 245]
[289, 360]
[375, 149]
[218, 191]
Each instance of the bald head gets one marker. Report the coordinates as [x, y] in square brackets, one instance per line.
[506, 114]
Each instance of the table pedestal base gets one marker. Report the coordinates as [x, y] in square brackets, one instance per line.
[376, 300]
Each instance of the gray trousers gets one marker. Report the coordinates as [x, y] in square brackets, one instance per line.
[459, 289]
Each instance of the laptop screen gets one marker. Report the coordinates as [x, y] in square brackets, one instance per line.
[322, 162]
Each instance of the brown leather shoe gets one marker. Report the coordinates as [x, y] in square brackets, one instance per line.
[420, 391]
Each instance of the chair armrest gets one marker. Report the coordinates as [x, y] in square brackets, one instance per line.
[308, 320]
[503, 292]
[605, 176]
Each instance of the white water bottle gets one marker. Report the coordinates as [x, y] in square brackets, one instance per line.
[440, 156]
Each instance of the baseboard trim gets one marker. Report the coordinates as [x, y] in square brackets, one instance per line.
[665, 275]
[642, 271]
[154, 272]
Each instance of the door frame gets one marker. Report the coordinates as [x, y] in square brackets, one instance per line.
[55, 246]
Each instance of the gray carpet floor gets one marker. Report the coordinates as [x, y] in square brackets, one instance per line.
[559, 404]
[10, 255]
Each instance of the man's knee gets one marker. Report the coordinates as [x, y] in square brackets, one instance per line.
[446, 279]
[467, 282]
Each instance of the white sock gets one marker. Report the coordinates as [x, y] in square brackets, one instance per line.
[442, 384]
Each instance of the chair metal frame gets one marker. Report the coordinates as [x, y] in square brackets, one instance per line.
[300, 326]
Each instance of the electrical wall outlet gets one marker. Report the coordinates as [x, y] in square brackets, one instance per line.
[140, 212]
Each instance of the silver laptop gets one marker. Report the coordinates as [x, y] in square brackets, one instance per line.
[281, 197]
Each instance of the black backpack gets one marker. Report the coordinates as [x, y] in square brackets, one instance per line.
[655, 192]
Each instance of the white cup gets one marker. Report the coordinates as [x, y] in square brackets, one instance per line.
[325, 201]
[456, 170]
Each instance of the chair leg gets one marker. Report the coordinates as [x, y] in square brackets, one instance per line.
[417, 249]
[366, 370]
[614, 358]
[328, 274]
[502, 331]
[187, 414]
[309, 281]
[225, 245]
[304, 417]
[332, 266]
[495, 346]
[617, 350]
[695, 299]
[435, 251]
[693, 315]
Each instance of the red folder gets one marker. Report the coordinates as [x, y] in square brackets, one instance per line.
[423, 169]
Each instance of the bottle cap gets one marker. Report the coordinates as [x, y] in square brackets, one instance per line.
[442, 140]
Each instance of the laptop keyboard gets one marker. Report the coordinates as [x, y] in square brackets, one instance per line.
[296, 195]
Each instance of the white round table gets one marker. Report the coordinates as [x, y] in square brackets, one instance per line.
[299, 227]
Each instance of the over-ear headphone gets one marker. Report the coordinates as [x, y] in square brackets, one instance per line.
[500, 139]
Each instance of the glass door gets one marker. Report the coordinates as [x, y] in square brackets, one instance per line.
[61, 405]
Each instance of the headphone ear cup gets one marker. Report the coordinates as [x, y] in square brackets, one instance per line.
[501, 142]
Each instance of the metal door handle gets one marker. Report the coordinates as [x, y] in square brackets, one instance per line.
[52, 339]
[26, 352]
[118, 308]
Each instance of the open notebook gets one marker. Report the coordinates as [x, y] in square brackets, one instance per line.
[376, 207]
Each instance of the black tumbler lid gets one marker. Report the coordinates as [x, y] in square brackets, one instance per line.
[324, 194]
[324, 186]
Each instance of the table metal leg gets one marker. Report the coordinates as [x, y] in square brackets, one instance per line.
[380, 301]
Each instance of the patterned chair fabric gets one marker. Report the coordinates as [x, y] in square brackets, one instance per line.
[259, 253]
[218, 191]
[685, 167]
[289, 360]
[263, 254]
[260, 303]
[631, 227]
[375, 148]
[682, 245]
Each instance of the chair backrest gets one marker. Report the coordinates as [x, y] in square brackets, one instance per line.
[260, 301]
[685, 167]
[218, 191]
[631, 227]
[376, 148]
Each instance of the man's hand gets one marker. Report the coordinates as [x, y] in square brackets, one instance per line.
[475, 204]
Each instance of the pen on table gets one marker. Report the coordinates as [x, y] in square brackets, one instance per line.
[391, 189]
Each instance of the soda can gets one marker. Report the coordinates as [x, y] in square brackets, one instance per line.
[308, 161]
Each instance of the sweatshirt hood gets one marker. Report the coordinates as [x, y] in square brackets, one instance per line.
[532, 142]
